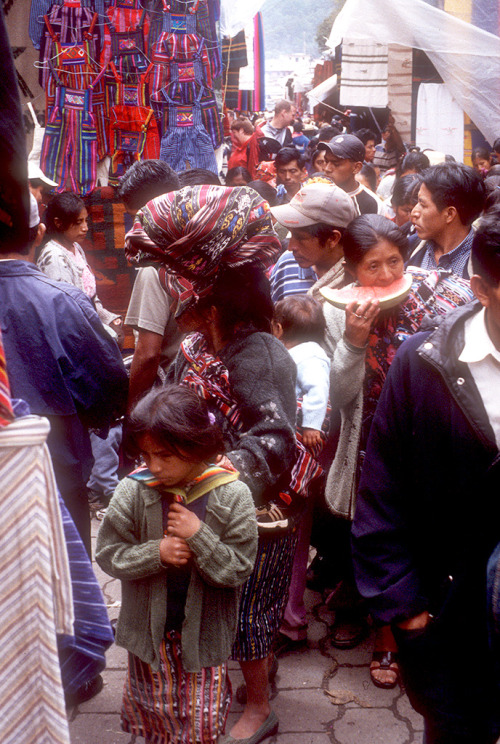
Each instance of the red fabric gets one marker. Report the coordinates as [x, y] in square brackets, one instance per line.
[246, 155]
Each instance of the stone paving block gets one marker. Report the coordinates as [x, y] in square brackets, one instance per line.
[102, 729]
[359, 684]
[316, 632]
[359, 656]
[305, 668]
[116, 658]
[304, 711]
[370, 726]
[302, 738]
[110, 699]
[406, 711]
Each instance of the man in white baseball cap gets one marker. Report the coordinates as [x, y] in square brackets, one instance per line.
[316, 218]
[38, 181]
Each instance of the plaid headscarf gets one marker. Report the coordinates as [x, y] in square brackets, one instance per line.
[199, 229]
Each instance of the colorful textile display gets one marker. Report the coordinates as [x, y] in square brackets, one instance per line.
[103, 65]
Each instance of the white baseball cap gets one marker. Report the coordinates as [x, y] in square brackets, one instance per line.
[316, 202]
[34, 213]
[34, 171]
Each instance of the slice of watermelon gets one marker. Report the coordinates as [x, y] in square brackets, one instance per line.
[389, 296]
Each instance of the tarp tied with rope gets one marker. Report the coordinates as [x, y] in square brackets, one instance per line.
[466, 56]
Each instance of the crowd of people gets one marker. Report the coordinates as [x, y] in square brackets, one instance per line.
[261, 416]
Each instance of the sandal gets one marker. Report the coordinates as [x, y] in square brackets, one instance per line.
[387, 661]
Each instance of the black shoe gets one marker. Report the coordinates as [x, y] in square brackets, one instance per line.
[86, 692]
[285, 645]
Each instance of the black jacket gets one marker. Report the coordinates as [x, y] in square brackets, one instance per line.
[429, 500]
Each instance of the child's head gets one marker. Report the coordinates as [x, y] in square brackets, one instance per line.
[178, 421]
[298, 319]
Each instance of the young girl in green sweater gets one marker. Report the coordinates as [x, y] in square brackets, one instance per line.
[181, 536]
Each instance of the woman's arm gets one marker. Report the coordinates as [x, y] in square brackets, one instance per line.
[262, 376]
[347, 369]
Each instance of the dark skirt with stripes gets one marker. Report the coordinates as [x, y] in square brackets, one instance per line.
[264, 597]
[172, 705]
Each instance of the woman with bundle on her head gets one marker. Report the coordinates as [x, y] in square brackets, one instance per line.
[215, 244]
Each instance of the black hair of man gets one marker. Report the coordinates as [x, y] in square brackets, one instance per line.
[456, 185]
[486, 248]
[198, 177]
[287, 155]
[325, 134]
[365, 135]
[369, 172]
[266, 191]
[496, 145]
[492, 185]
[144, 180]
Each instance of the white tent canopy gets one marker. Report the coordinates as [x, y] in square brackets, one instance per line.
[236, 14]
[323, 90]
[466, 57]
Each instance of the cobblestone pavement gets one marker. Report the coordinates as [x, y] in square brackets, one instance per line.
[321, 695]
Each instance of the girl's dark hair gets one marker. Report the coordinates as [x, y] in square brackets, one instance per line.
[301, 318]
[481, 152]
[242, 297]
[64, 207]
[239, 170]
[178, 420]
[365, 231]
[406, 190]
[417, 161]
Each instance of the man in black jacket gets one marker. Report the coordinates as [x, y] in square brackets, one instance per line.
[428, 512]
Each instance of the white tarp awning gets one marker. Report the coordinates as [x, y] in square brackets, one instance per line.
[236, 14]
[466, 57]
[323, 90]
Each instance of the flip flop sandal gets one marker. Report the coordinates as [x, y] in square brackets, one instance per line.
[386, 661]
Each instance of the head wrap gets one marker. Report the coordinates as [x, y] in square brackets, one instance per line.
[198, 230]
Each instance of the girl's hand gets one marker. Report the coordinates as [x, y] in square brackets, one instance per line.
[182, 522]
[359, 320]
[174, 551]
[224, 462]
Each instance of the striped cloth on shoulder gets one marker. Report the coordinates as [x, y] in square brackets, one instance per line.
[35, 589]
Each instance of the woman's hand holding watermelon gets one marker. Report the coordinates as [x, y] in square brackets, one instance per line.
[358, 321]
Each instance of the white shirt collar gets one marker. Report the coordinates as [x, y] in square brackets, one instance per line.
[478, 344]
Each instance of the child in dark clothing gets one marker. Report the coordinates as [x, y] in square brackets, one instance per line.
[181, 536]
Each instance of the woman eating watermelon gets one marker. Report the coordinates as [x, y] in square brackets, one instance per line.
[366, 322]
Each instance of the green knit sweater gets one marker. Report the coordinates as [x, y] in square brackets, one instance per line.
[224, 550]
